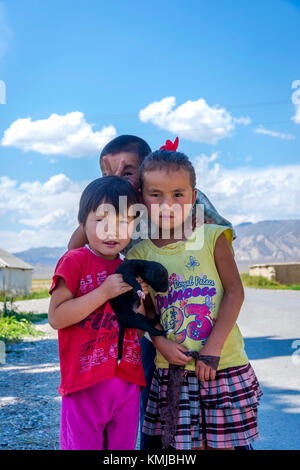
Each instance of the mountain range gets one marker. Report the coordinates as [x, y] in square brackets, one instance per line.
[261, 242]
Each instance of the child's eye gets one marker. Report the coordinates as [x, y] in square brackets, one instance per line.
[128, 174]
[178, 194]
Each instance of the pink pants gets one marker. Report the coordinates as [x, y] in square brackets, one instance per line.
[104, 416]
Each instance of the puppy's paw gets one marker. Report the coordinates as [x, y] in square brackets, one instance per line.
[141, 294]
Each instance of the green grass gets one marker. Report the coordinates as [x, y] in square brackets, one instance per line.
[42, 294]
[14, 326]
[260, 282]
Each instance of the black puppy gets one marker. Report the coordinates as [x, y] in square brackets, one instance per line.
[125, 305]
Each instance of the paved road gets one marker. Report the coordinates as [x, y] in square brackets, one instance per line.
[270, 323]
[34, 305]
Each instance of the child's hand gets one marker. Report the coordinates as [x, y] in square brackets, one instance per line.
[172, 351]
[114, 286]
[206, 369]
[204, 372]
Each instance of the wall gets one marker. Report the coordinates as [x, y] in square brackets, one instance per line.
[285, 273]
[14, 280]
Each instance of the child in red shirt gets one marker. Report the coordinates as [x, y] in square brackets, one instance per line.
[99, 396]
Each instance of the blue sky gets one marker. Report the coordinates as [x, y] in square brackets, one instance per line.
[111, 60]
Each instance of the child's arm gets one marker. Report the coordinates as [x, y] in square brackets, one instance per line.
[78, 239]
[172, 351]
[229, 308]
[142, 311]
[149, 306]
[65, 310]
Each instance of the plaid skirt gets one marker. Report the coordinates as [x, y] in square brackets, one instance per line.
[220, 412]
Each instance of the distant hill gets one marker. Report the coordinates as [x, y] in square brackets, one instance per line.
[267, 241]
[261, 242]
[43, 259]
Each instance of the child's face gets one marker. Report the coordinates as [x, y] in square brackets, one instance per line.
[168, 196]
[108, 233]
[123, 164]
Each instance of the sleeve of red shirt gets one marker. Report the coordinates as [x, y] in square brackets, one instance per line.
[69, 268]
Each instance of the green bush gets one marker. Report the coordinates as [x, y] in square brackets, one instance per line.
[261, 282]
[14, 326]
[12, 330]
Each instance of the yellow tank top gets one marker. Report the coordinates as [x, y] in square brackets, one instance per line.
[190, 308]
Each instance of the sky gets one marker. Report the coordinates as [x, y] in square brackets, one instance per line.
[223, 76]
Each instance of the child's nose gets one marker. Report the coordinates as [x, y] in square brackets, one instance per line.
[110, 229]
[166, 204]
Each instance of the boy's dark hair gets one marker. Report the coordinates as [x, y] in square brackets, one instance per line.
[106, 190]
[127, 143]
[167, 159]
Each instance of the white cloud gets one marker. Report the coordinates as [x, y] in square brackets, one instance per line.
[262, 130]
[250, 194]
[246, 120]
[68, 135]
[45, 214]
[47, 210]
[55, 218]
[15, 241]
[193, 120]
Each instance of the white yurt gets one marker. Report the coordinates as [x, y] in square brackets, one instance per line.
[15, 274]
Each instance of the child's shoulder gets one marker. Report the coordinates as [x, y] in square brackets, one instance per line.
[76, 255]
[139, 250]
[213, 231]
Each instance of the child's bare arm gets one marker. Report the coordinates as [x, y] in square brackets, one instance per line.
[233, 293]
[149, 307]
[65, 310]
[142, 311]
[230, 305]
[78, 239]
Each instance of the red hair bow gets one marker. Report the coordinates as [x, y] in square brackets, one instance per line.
[169, 145]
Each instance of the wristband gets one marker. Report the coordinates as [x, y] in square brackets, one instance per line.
[211, 361]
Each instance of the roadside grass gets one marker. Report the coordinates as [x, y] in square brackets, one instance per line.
[260, 282]
[15, 326]
[39, 290]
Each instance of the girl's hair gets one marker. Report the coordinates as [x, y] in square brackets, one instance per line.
[105, 190]
[127, 143]
[167, 159]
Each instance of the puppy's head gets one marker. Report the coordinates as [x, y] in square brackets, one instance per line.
[157, 277]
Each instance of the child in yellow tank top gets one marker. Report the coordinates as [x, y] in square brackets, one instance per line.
[219, 392]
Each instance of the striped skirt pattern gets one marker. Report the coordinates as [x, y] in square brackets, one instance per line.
[220, 412]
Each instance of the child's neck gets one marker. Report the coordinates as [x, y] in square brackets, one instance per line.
[98, 253]
[163, 241]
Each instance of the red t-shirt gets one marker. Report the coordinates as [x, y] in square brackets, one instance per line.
[88, 349]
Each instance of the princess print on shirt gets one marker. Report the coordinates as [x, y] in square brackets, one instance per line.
[180, 317]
